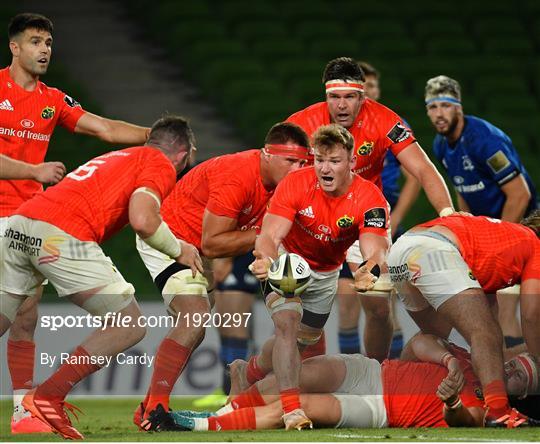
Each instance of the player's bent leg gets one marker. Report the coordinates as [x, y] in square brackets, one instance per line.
[469, 313]
[349, 308]
[378, 329]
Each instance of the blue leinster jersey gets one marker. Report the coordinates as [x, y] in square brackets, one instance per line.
[390, 178]
[480, 162]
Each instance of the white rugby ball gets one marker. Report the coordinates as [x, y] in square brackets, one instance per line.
[289, 275]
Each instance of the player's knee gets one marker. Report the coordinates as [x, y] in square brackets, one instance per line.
[9, 306]
[113, 298]
[286, 323]
[378, 310]
[308, 337]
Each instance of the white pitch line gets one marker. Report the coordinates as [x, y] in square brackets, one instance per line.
[425, 438]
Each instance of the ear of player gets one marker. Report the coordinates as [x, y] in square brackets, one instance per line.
[289, 275]
[366, 276]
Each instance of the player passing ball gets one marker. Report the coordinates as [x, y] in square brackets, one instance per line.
[317, 213]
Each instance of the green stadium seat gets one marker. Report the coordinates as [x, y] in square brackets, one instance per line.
[202, 52]
[487, 85]
[286, 70]
[380, 28]
[191, 32]
[495, 26]
[318, 29]
[221, 71]
[328, 49]
[235, 92]
[271, 50]
[305, 90]
[392, 47]
[457, 46]
[488, 8]
[242, 11]
[426, 28]
[170, 13]
[516, 106]
[509, 46]
[307, 10]
[252, 30]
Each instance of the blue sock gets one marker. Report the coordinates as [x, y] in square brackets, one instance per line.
[397, 346]
[231, 349]
[349, 341]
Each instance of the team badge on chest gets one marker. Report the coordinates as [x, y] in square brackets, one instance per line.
[345, 221]
[48, 112]
[365, 149]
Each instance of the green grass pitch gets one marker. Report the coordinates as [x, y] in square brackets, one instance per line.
[110, 420]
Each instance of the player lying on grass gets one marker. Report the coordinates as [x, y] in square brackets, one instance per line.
[353, 391]
[443, 269]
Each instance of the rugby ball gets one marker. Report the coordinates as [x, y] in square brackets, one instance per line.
[289, 275]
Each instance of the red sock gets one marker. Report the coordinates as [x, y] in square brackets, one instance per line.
[316, 349]
[20, 358]
[254, 372]
[250, 398]
[68, 375]
[171, 357]
[243, 419]
[290, 399]
[496, 398]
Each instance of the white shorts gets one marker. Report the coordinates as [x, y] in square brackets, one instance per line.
[179, 280]
[361, 394]
[33, 250]
[432, 264]
[319, 296]
[354, 255]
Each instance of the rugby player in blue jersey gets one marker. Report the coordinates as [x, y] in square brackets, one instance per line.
[486, 172]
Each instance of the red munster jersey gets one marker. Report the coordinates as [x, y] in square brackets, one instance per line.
[324, 227]
[376, 129]
[229, 186]
[27, 120]
[499, 254]
[410, 388]
[91, 203]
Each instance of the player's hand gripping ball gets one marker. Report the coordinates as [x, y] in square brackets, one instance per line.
[289, 275]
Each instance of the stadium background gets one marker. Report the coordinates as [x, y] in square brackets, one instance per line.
[237, 67]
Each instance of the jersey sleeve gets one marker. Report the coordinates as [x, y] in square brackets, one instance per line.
[156, 173]
[70, 111]
[396, 132]
[499, 157]
[375, 213]
[284, 202]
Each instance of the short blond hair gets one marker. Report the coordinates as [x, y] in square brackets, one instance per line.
[442, 86]
[328, 136]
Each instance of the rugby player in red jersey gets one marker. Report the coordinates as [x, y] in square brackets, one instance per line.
[376, 129]
[56, 236]
[443, 269]
[29, 112]
[318, 213]
[216, 206]
[353, 391]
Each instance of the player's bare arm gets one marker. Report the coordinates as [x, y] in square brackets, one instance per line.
[462, 205]
[374, 249]
[111, 131]
[518, 196]
[46, 172]
[416, 162]
[146, 221]
[274, 230]
[407, 196]
[530, 314]
[222, 238]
